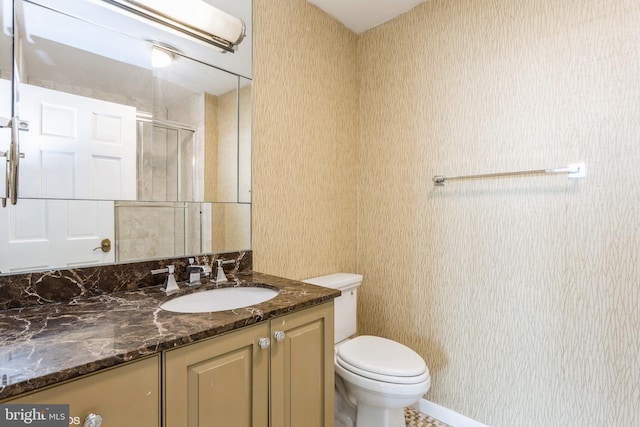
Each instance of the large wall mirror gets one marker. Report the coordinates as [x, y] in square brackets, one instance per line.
[136, 144]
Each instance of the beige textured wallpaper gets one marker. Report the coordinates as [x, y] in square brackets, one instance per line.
[521, 294]
[304, 141]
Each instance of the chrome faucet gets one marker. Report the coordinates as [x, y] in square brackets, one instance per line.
[170, 286]
[196, 273]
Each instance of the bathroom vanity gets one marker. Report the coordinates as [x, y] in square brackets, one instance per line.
[123, 358]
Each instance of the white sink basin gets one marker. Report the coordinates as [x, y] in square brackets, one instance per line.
[219, 299]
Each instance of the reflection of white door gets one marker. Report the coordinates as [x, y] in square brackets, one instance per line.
[76, 147]
[44, 234]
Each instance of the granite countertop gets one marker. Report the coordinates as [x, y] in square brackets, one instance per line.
[42, 345]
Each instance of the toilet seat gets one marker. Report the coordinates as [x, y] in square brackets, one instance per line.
[382, 378]
[382, 359]
[385, 388]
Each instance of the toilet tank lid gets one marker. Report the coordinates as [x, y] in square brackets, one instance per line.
[337, 280]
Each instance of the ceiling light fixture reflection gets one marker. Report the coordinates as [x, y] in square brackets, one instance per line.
[196, 18]
[161, 56]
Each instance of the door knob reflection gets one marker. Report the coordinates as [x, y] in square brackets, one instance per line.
[105, 246]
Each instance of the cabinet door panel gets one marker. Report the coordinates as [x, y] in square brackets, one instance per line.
[222, 400]
[128, 395]
[219, 382]
[304, 383]
[302, 373]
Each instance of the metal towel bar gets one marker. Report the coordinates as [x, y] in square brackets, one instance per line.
[578, 170]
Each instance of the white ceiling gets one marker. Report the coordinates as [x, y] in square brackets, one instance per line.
[361, 15]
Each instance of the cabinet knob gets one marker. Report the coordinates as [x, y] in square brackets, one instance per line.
[92, 420]
[264, 342]
[279, 335]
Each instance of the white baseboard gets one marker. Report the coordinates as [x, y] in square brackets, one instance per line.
[445, 415]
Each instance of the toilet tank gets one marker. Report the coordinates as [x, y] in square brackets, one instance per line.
[344, 305]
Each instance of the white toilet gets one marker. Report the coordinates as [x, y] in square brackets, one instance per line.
[376, 378]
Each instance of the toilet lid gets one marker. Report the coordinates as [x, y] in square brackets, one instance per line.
[380, 356]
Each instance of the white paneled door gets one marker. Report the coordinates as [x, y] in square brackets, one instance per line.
[76, 147]
[45, 234]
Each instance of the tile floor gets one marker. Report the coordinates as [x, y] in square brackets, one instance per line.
[418, 419]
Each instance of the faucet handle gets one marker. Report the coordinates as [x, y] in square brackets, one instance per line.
[168, 269]
[170, 286]
[220, 277]
[222, 261]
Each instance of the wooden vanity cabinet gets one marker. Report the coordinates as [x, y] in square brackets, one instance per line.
[237, 380]
[126, 395]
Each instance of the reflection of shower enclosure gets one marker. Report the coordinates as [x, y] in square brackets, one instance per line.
[166, 160]
[175, 168]
[181, 229]
[167, 173]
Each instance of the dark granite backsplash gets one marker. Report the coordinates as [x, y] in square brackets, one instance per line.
[64, 285]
